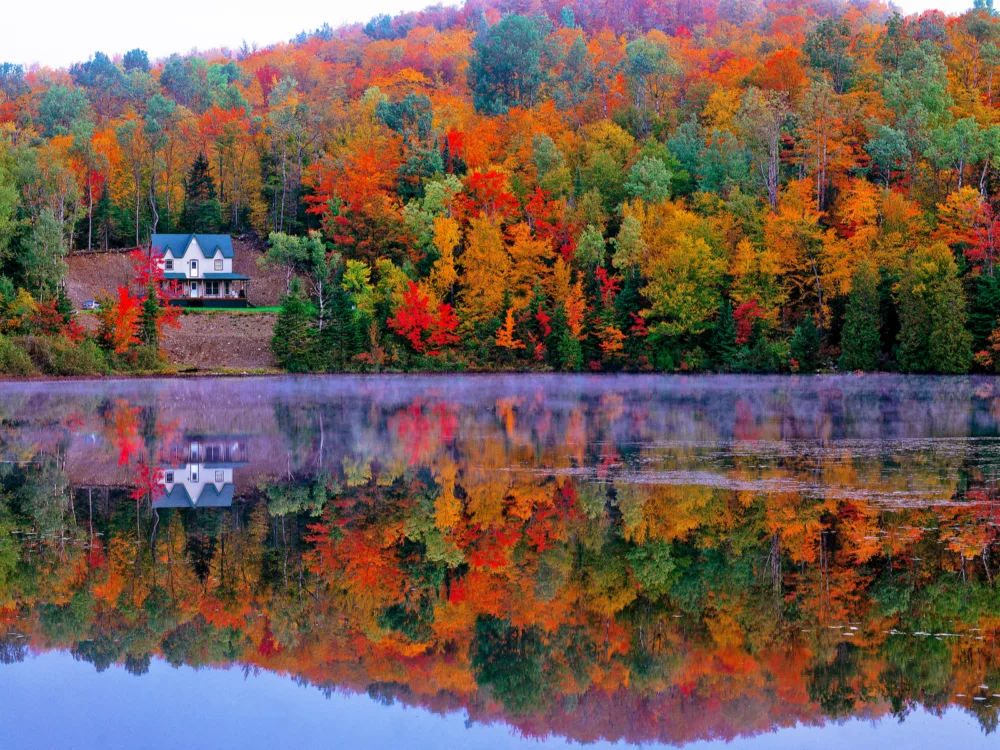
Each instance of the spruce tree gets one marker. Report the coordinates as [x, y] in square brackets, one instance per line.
[294, 334]
[149, 321]
[860, 337]
[805, 345]
[564, 352]
[64, 305]
[932, 315]
[202, 212]
[722, 345]
[337, 340]
[984, 307]
[949, 343]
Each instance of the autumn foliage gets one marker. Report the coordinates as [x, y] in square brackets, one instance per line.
[636, 170]
[426, 331]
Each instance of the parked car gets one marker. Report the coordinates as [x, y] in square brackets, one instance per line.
[91, 305]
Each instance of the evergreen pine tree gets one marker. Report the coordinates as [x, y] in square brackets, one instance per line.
[570, 351]
[554, 343]
[722, 345]
[984, 307]
[860, 338]
[202, 212]
[64, 305]
[294, 334]
[932, 315]
[805, 345]
[628, 303]
[149, 332]
[949, 343]
[337, 340]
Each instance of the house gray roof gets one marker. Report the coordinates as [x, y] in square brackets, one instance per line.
[178, 497]
[177, 244]
[225, 277]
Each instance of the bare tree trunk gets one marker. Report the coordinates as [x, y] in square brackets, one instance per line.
[90, 211]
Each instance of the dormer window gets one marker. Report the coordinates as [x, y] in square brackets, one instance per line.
[218, 264]
[168, 264]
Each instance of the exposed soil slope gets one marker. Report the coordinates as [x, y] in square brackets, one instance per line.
[222, 339]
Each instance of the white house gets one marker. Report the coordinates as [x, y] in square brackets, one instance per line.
[199, 473]
[202, 267]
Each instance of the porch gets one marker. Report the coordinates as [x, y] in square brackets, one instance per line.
[211, 290]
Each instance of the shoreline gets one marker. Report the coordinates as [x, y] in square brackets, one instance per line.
[220, 374]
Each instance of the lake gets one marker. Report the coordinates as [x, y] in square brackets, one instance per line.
[500, 561]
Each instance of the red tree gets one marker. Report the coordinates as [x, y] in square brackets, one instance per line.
[427, 332]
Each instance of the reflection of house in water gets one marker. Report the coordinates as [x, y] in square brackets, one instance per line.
[198, 473]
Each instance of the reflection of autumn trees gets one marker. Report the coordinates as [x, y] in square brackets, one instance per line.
[595, 567]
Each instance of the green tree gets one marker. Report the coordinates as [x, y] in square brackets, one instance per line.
[507, 68]
[828, 48]
[932, 313]
[60, 106]
[202, 212]
[149, 320]
[804, 346]
[860, 338]
[722, 345]
[649, 179]
[41, 256]
[294, 335]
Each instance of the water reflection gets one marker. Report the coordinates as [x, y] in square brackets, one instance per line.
[198, 473]
[631, 559]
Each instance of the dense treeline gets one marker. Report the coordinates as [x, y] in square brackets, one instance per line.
[739, 185]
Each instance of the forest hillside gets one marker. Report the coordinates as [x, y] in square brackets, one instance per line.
[571, 184]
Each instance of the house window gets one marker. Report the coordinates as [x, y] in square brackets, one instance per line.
[212, 288]
[220, 477]
[168, 477]
[194, 475]
[194, 267]
[168, 264]
[228, 289]
[218, 264]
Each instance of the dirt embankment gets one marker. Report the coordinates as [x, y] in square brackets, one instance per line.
[220, 339]
[91, 273]
[234, 340]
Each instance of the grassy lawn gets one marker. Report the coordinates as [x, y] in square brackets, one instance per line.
[229, 310]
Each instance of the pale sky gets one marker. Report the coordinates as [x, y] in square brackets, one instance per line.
[60, 32]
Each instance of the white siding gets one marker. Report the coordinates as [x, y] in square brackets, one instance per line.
[195, 254]
[186, 475]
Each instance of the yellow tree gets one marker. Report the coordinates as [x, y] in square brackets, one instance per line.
[447, 235]
[529, 263]
[755, 271]
[683, 288]
[795, 234]
[485, 272]
[505, 333]
[857, 214]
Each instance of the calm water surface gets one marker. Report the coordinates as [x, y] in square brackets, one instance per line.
[500, 562]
